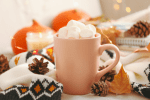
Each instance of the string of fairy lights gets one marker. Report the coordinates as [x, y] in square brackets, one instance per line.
[117, 5]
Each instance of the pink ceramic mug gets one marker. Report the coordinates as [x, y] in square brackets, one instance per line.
[77, 62]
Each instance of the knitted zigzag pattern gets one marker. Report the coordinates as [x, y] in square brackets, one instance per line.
[38, 90]
[143, 89]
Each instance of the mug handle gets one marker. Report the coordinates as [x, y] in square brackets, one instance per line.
[111, 66]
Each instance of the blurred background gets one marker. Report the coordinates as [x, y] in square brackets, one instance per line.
[16, 14]
[116, 9]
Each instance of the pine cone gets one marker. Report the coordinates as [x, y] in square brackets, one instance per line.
[99, 88]
[38, 67]
[4, 65]
[140, 29]
[109, 76]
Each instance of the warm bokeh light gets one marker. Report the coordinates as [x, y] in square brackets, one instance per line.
[50, 51]
[116, 7]
[119, 1]
[128, 9]
[34, 52]
[19, 48]
[12, 37]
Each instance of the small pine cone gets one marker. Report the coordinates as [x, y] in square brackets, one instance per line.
[4, 65]
[101, 67]
[109, 76]
[99, 88]
[38, 66]
[140, 29]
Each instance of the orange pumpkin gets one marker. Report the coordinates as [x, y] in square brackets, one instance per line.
[18, 41]
[63, 18]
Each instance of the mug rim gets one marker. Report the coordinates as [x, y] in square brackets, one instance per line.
[98, 36]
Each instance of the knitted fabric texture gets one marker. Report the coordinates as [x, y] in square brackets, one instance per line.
[39, 89]
[48, 54]
[27, 57]
[143, 89]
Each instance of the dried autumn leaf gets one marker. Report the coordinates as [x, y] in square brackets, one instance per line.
[148, 47]
[108, 34]
[120, 84]
[145, 49]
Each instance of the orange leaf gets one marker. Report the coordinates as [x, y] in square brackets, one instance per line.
[16, 60]
[109, 35]
[145, 49]
[148, 47]
[120, 84]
